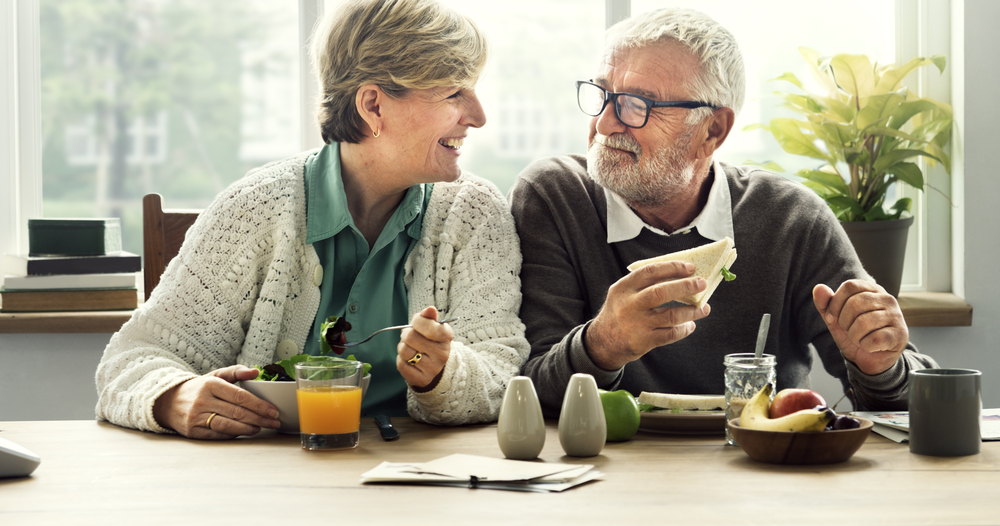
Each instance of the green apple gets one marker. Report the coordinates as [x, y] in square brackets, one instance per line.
[621, 412]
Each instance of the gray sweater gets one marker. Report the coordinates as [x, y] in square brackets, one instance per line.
[788, 241]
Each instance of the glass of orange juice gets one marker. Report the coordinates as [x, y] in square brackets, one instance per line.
[329, 398]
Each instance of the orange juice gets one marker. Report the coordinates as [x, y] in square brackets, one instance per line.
[329, 410]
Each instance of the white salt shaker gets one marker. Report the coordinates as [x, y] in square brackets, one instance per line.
[521, 427]
[582, 428]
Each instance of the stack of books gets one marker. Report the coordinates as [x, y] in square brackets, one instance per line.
[73, 265]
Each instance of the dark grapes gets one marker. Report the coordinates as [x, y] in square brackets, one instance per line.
[846, 422]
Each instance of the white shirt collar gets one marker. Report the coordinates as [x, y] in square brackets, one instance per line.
[715, 221]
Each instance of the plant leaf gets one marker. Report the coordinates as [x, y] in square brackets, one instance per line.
[827, 179]
[821, 190]
[888, 159]
[908, 173]
[803, 104]
[854, 74]
[841, 204]
[875, 214]
[824, 79]
[837, 136]
[789, 135]
[770, 166]
[902, 205]
[891, 78]
[905, 111]
[789, 77]
[878, 109]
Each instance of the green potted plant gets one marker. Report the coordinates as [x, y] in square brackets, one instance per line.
[869, 134]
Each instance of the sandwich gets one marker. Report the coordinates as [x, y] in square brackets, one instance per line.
[711, 261]
[678, 403]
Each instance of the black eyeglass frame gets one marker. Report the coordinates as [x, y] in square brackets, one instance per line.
[610, 96]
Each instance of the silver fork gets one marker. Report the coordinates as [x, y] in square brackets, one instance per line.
[348, 345]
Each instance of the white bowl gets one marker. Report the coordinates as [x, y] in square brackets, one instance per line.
[282, 396]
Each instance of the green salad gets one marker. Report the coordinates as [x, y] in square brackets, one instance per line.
[332, 338]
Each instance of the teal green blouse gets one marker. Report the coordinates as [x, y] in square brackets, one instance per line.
[363, 284]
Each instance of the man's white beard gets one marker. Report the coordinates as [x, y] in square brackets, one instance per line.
[650, 182]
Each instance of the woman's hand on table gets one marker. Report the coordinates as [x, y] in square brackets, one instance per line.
[187, 407]
[423, 350]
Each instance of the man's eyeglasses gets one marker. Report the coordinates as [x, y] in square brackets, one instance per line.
[632, 110]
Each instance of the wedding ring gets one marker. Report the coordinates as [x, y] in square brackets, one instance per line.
[208, 423]
[415, 360]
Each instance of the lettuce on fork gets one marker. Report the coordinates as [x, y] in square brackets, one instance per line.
[332, 333]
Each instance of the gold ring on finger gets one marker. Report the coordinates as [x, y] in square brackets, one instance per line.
[208, 423]
[415, 360]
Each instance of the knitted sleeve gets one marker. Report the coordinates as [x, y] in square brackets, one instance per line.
[221, 301]
[467, 265]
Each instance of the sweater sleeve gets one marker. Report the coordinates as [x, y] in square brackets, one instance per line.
[834, 262]
[555, 307]
[225, 298]
[467, 265]
[168, 339]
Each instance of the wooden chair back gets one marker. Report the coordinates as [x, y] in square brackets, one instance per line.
[162, 235]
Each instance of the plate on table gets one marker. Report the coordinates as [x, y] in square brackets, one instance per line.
[684, 423]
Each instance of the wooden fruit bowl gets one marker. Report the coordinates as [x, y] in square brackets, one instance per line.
[786, 447]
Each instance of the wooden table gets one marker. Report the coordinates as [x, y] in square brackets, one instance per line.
[97, 473]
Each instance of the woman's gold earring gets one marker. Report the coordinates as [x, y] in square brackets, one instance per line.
[376, 133]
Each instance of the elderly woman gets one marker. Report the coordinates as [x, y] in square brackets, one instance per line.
[380, 225]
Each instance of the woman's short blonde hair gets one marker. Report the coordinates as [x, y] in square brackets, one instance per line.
[397, 45]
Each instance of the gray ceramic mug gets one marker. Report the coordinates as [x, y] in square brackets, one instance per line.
[945, 412]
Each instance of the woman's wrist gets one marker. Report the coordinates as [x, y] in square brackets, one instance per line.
[429, 387]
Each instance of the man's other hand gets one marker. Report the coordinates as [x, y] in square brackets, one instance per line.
[865, 322]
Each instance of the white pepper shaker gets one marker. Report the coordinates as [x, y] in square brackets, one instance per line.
[521, 427]
[582, 427]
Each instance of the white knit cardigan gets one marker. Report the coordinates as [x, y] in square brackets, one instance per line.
[243, 283]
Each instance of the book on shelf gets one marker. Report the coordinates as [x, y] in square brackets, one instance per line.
[68, 300]
[71, 281]
[74, 236]
[22, 265]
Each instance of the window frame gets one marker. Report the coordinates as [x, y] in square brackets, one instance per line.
[923, 27]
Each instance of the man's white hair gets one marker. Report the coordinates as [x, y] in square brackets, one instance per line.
[722, 79]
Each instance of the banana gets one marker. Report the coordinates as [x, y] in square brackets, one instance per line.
[754, 416]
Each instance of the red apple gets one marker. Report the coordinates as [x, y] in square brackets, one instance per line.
[788, 401]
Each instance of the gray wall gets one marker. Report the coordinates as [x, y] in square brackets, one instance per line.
[52, 376]
[975, 347]
[49, 376]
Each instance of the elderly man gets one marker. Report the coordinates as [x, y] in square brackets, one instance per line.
[663, 101]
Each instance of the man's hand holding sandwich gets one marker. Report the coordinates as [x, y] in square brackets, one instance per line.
[635, 318]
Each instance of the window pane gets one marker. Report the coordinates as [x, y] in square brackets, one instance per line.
[178, 97]
[769, 40]
[539, 49]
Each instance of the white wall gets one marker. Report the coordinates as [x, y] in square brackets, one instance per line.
[52, 376]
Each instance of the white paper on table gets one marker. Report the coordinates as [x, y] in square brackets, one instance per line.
[497, 469]
[899, 421]
[891, 433]
[472, 471]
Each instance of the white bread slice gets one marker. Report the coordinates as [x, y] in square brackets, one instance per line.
[708, 261]
[679, 401]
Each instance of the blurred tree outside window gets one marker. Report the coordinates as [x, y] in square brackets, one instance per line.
[179, 97]
[182, 97]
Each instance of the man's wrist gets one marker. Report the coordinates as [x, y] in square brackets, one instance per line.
[582, 361]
